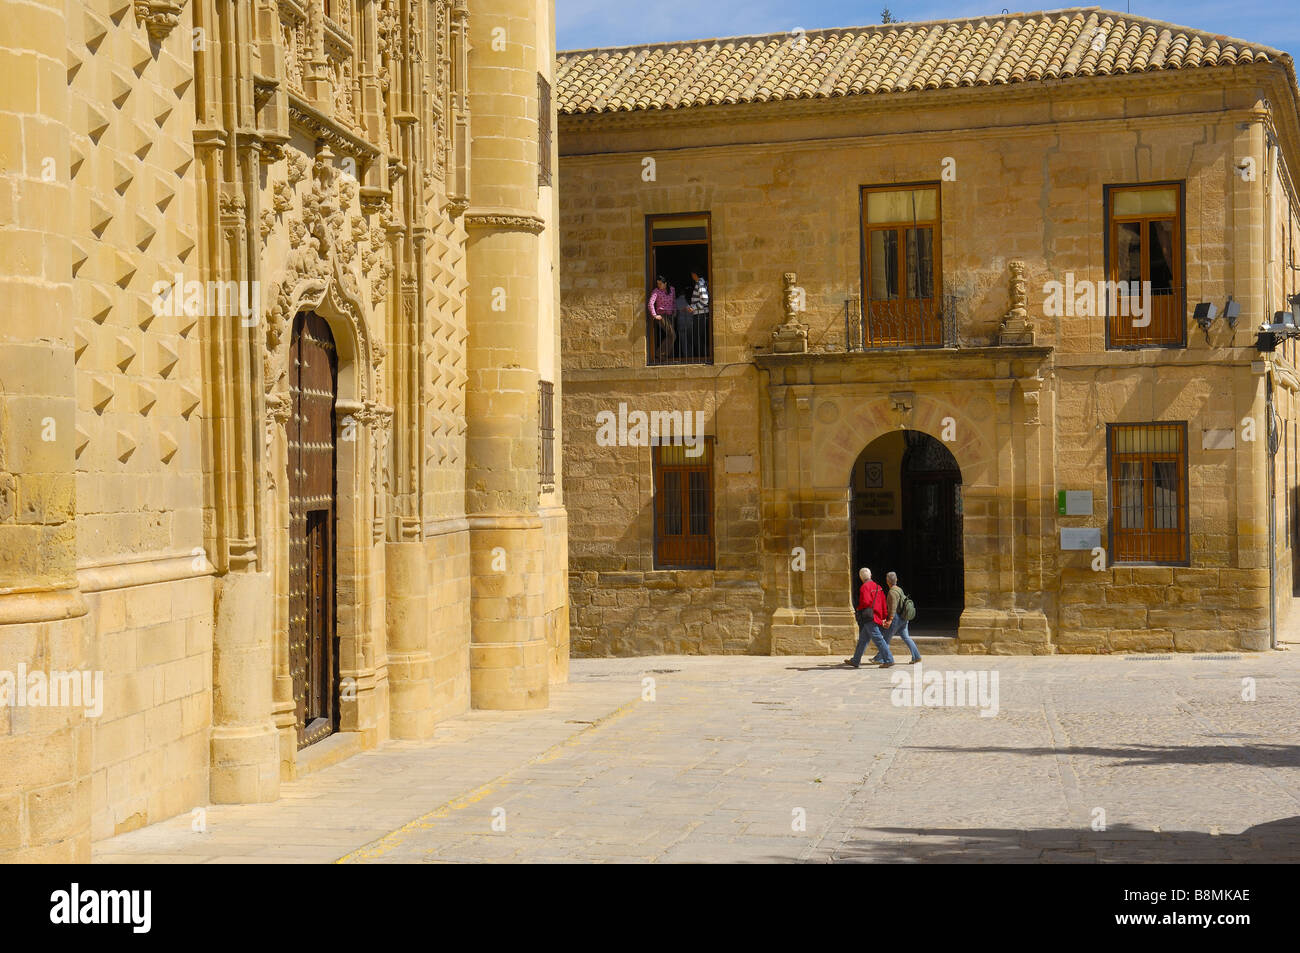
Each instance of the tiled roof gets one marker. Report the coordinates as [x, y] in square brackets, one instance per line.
[888, 58]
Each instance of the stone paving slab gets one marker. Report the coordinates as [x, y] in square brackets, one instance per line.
[758, 759]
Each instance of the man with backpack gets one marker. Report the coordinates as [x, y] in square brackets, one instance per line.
[899, 611]
[870, 613]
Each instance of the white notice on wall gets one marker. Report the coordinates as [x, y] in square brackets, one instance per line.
[1080, 538]
[1078, 502]
[1218, 439]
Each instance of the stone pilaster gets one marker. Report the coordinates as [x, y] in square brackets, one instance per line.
[44, 750]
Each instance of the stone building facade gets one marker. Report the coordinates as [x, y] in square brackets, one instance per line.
[901, 367]
[279, 289]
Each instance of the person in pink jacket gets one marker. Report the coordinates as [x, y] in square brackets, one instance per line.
[662, 306]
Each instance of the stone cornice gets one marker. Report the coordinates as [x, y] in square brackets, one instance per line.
[884, 138]
[505, 222]
[45, 605]
[866, 366]
[121, 574]
[311, 120]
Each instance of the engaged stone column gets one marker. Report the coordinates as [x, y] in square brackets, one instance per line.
[508, 657]
[410, 663]
[245, 744]
[44, 748]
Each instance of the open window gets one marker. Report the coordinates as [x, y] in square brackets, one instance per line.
[1145, 253]
[901, 267]
[678, 246]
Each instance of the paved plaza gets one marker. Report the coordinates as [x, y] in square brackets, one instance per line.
[753, 759]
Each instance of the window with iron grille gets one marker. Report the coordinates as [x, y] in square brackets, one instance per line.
[683, 489]
[546, 433]
[1147, 464]
[543, 131]
[1145, 244]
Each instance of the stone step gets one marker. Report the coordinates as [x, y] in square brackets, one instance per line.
[329, 751]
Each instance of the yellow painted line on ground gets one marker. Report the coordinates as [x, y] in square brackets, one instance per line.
[389, 841]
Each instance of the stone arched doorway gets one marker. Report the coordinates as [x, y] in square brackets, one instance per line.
[906, 517]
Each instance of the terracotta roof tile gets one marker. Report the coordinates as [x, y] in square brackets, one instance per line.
[889, 58]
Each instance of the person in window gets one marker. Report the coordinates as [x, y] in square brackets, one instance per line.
[697, 315]
[682, 322]
[662, 307]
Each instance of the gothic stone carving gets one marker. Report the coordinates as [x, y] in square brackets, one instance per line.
[158, 17]
[315, 270]
[511, 223]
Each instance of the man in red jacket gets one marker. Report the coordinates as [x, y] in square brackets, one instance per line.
[870, 613]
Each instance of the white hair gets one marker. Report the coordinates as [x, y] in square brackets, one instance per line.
[864, 573]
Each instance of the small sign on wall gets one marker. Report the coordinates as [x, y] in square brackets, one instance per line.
[877, 503]
[740, 463]
[1218, 439]
[1074, 503]
[1080, 538]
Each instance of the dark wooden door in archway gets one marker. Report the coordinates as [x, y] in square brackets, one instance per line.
[313, 654]
[932, 523]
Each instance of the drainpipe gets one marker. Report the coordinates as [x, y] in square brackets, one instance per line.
[1273, 436]
[1272, 511]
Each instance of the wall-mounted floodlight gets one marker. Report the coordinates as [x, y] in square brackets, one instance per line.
[1284, 325]
[1231, 311]
[1205, 314]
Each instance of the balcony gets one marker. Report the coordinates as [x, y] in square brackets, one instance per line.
[1163, 325]
[900, 323]
[682, 338]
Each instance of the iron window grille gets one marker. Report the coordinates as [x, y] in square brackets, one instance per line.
[683, 506]
[543, 131]
[1147, 470]
[546, 434]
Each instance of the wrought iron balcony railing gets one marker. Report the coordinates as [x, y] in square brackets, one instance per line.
[681, 338]
[914, 322]
[1157, 319]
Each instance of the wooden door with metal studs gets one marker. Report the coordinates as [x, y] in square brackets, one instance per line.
[313, 642]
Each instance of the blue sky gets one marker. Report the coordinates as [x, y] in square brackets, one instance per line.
[587, 23]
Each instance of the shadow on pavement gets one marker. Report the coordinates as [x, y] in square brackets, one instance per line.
[1261, 755]
[1270, 843]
